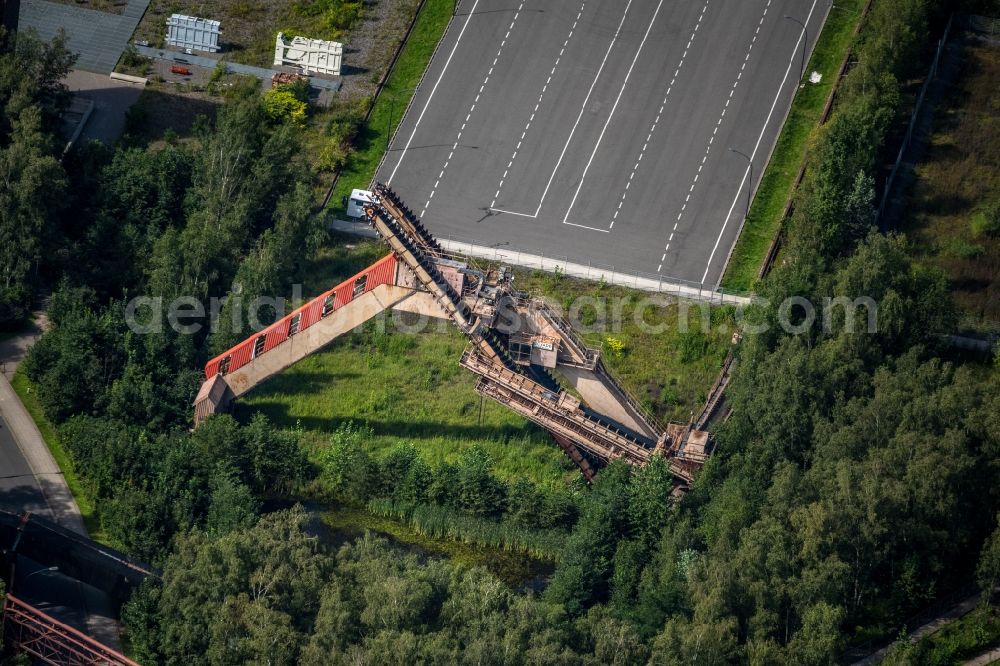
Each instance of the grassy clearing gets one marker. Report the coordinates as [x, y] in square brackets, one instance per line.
[370, 144]
[667, 368]
[954, 186]
[515, 569]
[26, 392]
[408, 387]
[779, 177]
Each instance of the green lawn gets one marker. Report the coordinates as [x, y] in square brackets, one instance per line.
[26, 392]
[779, 177]
[406, 388]
[409, 386]
[668, 370]
[370, 144]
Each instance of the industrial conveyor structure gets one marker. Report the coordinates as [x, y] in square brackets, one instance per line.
[516, 343]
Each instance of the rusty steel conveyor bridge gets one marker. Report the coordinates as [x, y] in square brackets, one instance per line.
[516, 343]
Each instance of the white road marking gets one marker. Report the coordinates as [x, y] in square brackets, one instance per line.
[722, 115]
[658, 114]
[481, 88]
[600, 138]
[739, 190]
[539, 102]
[583, 108]
[433, 90]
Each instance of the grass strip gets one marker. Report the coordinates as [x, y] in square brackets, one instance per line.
[778, 181]
[29, 397]
[372, 140]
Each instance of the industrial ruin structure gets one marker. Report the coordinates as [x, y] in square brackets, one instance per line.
[518, 345]
[193, 33]
[313, 56]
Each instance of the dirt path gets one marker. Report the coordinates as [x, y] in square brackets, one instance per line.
[962, 608]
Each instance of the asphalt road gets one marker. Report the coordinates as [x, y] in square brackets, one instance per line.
[19, 490]
[70, 601]
[600, 130]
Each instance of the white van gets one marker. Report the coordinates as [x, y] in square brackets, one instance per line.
[356, 204]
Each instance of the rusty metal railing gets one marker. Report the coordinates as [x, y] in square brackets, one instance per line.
[49, 641]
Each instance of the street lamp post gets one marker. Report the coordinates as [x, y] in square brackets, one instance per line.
[750, 183]
[388, 125]
[34, 573]
[392, 111]
[805, 30]
[41, 571]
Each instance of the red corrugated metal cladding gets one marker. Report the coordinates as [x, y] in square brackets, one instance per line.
[381, 272]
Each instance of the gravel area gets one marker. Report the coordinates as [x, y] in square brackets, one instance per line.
[369, 47]
[249, 27]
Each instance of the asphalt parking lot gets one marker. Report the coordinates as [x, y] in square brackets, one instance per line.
[602, 131]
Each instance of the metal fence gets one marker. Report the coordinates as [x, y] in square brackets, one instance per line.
[573, 267]
[48, 641]
[931, 77]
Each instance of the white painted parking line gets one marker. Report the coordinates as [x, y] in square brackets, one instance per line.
[611, 115]
[539, 102]
[478, 95]
[583, 109]
[722, 115]
[659, 113]
[774, 104]
[447, 62]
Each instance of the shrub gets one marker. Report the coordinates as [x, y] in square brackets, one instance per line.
[131, 60]
[965, 250]
[987, 221]
[332, 156]
[337, 16]
[348, 470]
[614, 346]
[281, 105]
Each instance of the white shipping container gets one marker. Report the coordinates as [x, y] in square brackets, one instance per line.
[191, 32]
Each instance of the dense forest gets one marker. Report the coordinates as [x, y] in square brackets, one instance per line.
[857, 480]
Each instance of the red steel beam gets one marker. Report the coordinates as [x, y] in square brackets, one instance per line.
[48, 640]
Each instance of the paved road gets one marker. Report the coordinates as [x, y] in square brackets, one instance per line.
[31, 480]
[23, 452]
[19, 489]
[112, 100]
[600, 131]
